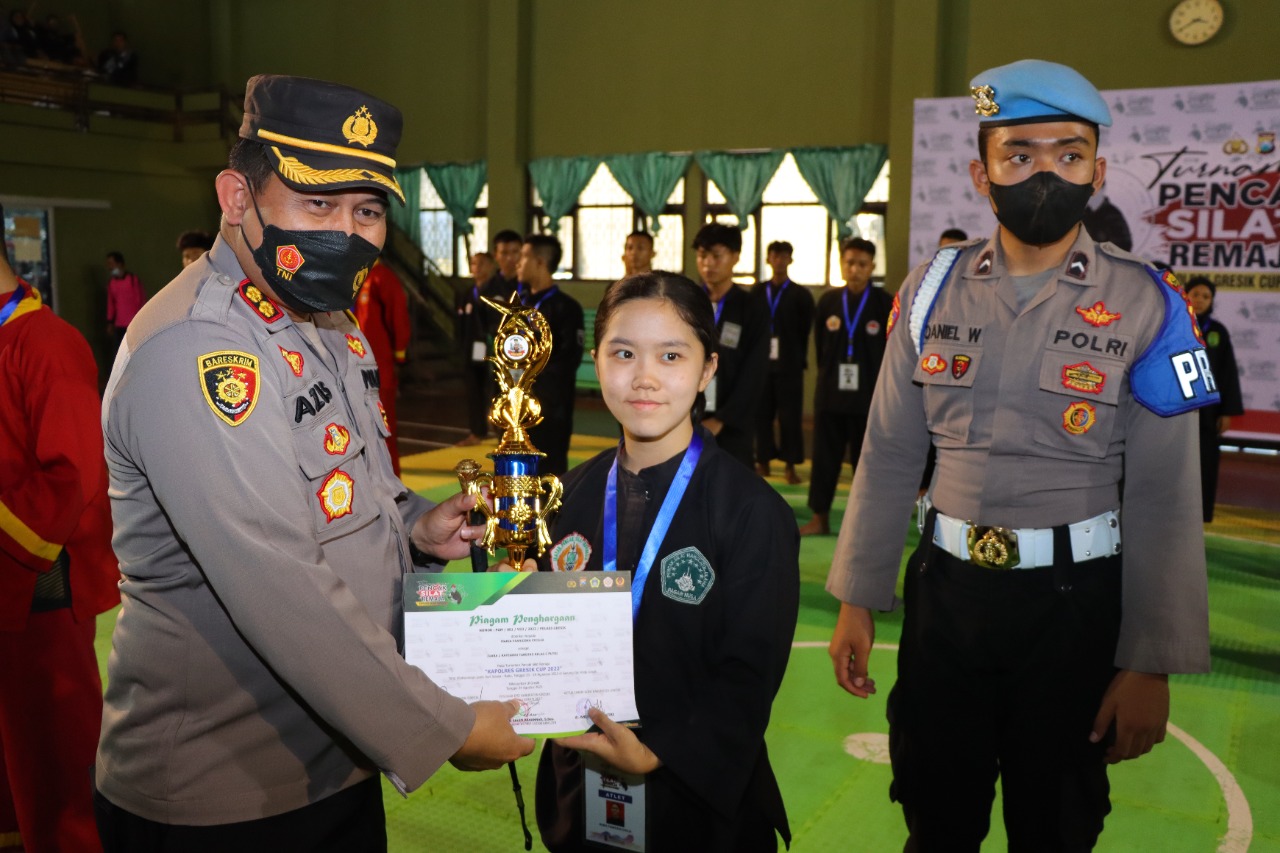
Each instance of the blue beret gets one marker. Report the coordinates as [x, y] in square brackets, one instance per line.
[1032, 90]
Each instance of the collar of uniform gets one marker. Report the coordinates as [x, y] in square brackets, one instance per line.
[1077, 267]
[222, 258]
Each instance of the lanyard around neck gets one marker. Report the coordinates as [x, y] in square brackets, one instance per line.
[851, 326]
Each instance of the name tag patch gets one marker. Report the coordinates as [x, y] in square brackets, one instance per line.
[687, 576]
[731, 334]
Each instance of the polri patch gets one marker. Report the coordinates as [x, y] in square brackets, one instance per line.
[293, 359]
[1083, 377]
[933, 363]
[571, 554]
[336, 439]
[687, 576]
[337, 495]
[356, 346]
[1079, 418]
[960, 365]
[229, 380]
[259, 302]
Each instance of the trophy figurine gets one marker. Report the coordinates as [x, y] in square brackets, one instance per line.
[522, 500]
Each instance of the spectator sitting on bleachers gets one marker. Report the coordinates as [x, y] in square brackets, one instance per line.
[119, 63]
[20, 37]
[59, 45]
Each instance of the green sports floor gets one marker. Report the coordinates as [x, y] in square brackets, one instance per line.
[1213, 785]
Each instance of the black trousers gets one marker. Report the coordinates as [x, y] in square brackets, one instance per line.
[481, 389]
[1001, 673]
[835, 434]
[782, 399]
[351, 821]
[1210, 456]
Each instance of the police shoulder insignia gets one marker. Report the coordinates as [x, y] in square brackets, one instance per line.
[571, 554]
[687, 576]
[293, 359]
[337, 495]
[893, 316]
[1097, 315]
[933, 363]
[1078, 418]
[1083, 377]
[260, 302]
[229, 380]
[355, 345]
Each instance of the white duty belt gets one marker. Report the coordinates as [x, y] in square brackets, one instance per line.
[1024, 547]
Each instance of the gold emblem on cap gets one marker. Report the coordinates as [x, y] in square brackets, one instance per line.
[984, 101]
[360, 128]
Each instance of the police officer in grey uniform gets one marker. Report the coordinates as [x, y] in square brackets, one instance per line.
[256, 689]
[1042, 366]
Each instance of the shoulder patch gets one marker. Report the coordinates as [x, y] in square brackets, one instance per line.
[230, 382]
[571, 553]
[687, 576]
[1173, 375]
[259, 302]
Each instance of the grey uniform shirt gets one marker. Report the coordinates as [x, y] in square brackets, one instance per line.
[995, 390]
[262, 537]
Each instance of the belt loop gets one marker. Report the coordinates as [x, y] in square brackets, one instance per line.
[926, 539]
[1063, 558]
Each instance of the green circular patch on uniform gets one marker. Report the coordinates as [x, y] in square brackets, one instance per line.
[687, 576]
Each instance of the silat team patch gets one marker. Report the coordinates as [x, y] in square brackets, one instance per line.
[336, 439]
[687, 576]
[294, 359]
[229, 380]
[1079, 418]
[571, 554]
[933, 363]
[260, 302]
[337, 495]
[1083, 377]
[355, 345]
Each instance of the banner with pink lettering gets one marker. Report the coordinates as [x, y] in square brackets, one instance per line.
[1193, 179]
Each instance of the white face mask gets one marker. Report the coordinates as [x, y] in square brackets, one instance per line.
[116, 272]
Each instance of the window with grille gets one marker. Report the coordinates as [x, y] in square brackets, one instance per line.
[444, 250]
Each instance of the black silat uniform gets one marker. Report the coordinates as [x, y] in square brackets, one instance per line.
[789, 307]
[743, 327]
[554, 387]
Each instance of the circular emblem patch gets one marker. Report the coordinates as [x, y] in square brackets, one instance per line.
[1079, 418]
[833, 323]
[289, 259]
[571, 553]
[687, 576]
[515, 347]
[337, 495]
[873, 327]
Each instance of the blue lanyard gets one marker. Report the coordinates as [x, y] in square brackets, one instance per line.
[544, 298]
[660, 524]
[718, 307]
[12, 304]
[475, 294]
[773, 302]
[852, 326]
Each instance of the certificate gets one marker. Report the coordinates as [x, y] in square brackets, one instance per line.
[560, 642]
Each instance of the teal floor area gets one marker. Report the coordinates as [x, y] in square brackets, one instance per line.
[1213, 785]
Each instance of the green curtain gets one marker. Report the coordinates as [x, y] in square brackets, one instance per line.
[649, 179]
[459, 186]
[559, 181]
[841, 178]
[409, 217]
[741, 177]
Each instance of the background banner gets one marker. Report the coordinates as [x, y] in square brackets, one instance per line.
[1193, 179]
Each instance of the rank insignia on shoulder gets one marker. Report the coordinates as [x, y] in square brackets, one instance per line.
[933, 363]
[337, 495]
[571, 554]
[293, 359]
[1083, 377]
[260, 302]
[985, 263]
[1079, 418]
[336, 439]
[1078, 266]
[1097, 315]
[229, 380]
[355, 345]
[687, 576]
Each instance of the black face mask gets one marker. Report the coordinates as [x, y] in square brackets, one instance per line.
[313, 270]
[1041, 209]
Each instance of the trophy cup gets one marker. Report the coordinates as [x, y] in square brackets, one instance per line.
[522, 501]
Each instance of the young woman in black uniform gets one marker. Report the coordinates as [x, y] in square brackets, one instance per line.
[715, 559]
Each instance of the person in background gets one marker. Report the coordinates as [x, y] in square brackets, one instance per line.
[951, 235]
[556, 386]
[506, 253]
[57, 573]
[125, 298]
[1214, 419]
[476, 325]
[733, 394]
[790, 309]
[849, 334]
[637, 253]
[193, 244]
[382, 311]
[119, 63]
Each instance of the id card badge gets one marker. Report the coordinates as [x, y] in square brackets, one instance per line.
[710, 396]
[478, 349]
[731, 334]
[773, 348]
[848, 377]
[615, 812]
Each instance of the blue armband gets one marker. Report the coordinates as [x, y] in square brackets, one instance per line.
[1172, 376]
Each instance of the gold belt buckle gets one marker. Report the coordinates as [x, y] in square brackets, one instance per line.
[993, 547]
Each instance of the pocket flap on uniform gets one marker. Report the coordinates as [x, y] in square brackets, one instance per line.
[324, 444]
[1075, 376]
[948, 365]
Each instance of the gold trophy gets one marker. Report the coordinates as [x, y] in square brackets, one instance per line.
[522, 500]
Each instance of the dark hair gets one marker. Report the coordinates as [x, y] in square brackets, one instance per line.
[195, 240]
[249, 158]
[688, 299]
[984, 133]
[507, 236]
[546, 247]
[718, 234]
[850, 244]
[782, 247]
[117, 257]
[1200, 280]
[488, 257]
[953, 234]
[645, 235]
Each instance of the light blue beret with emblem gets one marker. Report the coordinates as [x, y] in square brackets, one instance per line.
[1032, 90]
